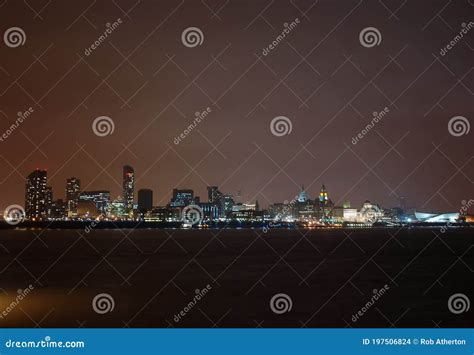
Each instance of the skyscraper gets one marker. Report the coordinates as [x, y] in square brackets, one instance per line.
[128, 188]
[73, 190]
[145, 200]
[48, 201]
[35, 195]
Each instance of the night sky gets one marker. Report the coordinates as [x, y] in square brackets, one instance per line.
[319, 76]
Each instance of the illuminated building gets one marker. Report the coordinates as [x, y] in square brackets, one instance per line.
[87, 210]
[182, 198]
[35, 195]
[101, 199]
[210, 211]
[128, 188]
[302, 196]
[145, 200]
[213, 194]
[244, 207]
[48, 200]
[370, 213]
[228, 204]
[323, 196]
[73, 189]
[59, 209]
[437, 217]
[117, 210]
[324, 205]
[163, 214]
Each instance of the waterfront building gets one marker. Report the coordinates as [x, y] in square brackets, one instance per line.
[451, 217]
[73, 189]
[183, 197]
[370, 213]
[35, 195]
[145, 200]
[128, 179]
[48, 200]
[101, 198]
[59, 210]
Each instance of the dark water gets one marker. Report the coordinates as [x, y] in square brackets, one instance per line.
[153, 274]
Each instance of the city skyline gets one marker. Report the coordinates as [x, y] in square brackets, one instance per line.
[79, 204]
[72, 190]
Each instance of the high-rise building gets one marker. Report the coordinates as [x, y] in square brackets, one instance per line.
[35, 195]
[48, 201]
[128, 188]
[73, 190]
[145, 200]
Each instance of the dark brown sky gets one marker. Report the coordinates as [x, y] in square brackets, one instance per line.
[319, 76]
